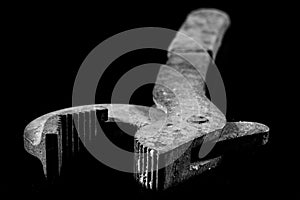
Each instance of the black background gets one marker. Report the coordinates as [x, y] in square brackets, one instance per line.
[48, 43]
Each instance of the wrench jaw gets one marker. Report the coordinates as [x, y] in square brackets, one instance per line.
[236, 138]
[35, 137]
[51, 124]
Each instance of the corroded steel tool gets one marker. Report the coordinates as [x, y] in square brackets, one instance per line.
[168, 139]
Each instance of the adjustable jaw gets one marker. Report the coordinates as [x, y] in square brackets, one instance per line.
[160, 171]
